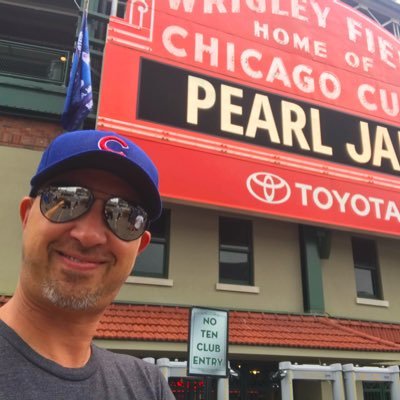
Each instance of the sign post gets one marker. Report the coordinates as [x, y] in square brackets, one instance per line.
[208, 343]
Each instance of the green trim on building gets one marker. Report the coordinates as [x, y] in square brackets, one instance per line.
[31, 96]
[310, 248]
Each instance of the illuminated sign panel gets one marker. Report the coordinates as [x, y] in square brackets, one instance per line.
[176, 97]
[299, 94]
[276, 189]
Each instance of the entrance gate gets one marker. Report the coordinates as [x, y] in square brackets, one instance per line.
[378, 383]
[290, 372]
[371, 376]
[177, 369]
[376, 390]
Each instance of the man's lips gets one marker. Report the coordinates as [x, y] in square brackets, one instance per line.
[81, 262]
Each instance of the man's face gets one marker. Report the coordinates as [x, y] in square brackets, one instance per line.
[80, 264]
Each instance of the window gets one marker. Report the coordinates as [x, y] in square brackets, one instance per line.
[366, 268]
[153, 262]
[235, 251]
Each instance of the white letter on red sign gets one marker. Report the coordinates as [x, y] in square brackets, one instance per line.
[167, 40]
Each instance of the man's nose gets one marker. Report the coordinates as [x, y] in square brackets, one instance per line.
[90, 229]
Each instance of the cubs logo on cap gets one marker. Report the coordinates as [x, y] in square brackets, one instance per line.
[104, 144]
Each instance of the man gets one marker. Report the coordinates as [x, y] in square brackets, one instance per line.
[83, 225]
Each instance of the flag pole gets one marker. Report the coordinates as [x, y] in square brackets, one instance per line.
[79, 97]
[85, 5]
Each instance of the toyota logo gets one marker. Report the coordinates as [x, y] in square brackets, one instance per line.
[268, 188]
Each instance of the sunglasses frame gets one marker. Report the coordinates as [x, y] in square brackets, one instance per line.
[92, 198]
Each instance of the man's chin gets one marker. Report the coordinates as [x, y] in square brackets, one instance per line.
[80, 301]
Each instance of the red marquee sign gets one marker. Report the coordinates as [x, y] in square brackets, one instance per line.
[281, 108]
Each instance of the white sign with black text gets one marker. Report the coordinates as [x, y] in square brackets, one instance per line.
[208, 342]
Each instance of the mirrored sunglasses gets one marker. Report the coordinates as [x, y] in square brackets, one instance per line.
[66, 203]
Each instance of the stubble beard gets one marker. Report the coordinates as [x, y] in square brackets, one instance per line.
[84, 300]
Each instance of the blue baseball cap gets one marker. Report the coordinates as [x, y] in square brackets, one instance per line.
[106, 151]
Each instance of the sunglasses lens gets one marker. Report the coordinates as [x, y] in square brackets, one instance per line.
[64, 203]
[127, 221]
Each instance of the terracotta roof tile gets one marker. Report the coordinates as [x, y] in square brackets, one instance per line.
[164, 323]
[170, 324]
[389, 332]
[144, 322]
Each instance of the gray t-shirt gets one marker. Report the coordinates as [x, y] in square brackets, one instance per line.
[25, 375]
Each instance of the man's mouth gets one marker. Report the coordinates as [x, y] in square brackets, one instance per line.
[81, 262]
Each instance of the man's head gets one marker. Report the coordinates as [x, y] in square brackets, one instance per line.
[85, 220]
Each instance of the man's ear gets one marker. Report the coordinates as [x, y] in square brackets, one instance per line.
[24, 209]
[144, 241]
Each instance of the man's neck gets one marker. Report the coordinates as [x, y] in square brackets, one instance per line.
[62, 336]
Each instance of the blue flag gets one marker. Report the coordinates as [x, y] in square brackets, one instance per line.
[79, 100]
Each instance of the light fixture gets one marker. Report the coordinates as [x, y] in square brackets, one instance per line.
[254, 371]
